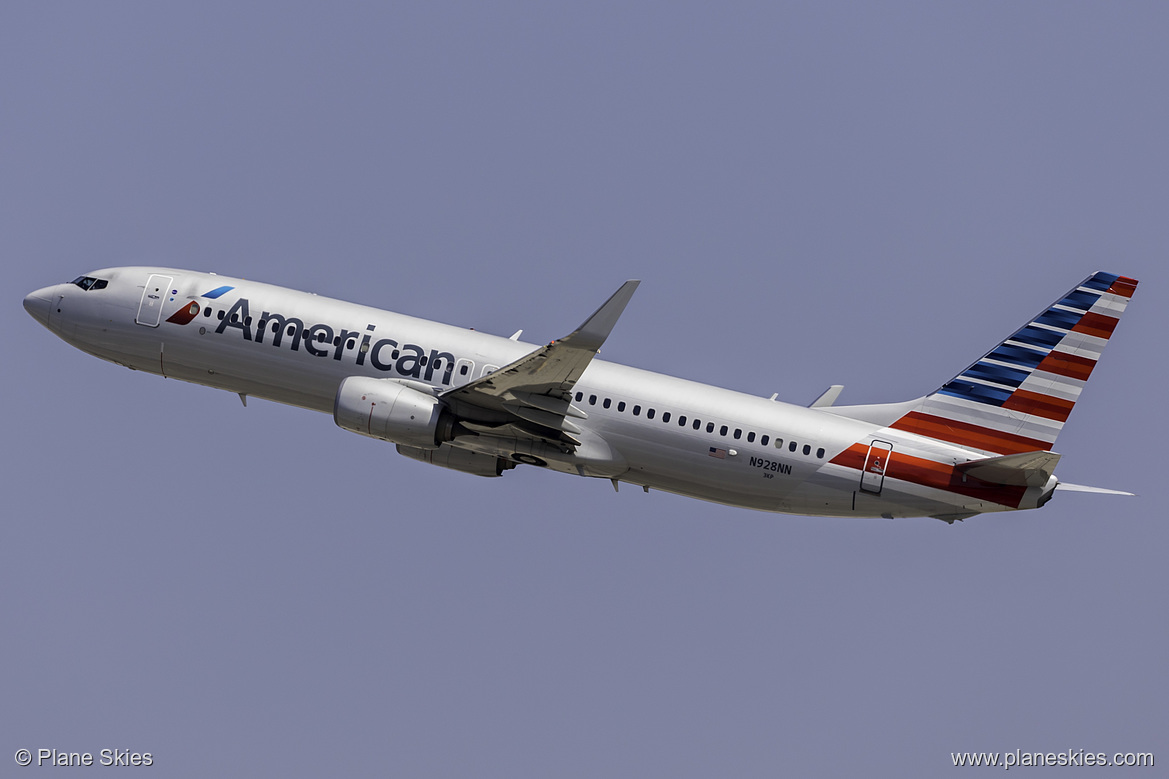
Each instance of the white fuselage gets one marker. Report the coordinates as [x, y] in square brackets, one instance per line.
[731, 456]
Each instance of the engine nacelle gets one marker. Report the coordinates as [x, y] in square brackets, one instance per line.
[459, 460]
[385, 409]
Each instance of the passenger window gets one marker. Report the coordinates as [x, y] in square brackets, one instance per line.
[579, 397]
[807, 449]
[207, 311]
[649, 413]
[738, 433]
[607, 403]
[710, 427]
[248, 321]
[463, 372]
[697, 423]
[779, 443]
[763, 440]
[722, 430]
[592, 400]
[665, 416]
[682, 420]
[792, 446]
[637, 411]
[820, 453]
[393, 355]
[751, 437]
[292, 329]
[220, 314]
[621, 406]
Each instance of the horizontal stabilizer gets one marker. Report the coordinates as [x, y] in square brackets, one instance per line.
[1063, 485]
[1025, 469]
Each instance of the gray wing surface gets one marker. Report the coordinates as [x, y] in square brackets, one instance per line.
[533, 395]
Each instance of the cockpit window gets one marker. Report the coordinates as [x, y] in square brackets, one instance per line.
[89, 282]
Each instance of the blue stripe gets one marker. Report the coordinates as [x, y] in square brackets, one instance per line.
[1056, 318]
[217, 292]
[1101, 281]
[1017, 355]
[1080, 299]
[1037, 336]
[993, 396]
[997, 373]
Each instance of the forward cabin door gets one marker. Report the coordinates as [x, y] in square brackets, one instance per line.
[150, 309]
[876, 463]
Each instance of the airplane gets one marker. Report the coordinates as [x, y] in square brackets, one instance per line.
[483, 404]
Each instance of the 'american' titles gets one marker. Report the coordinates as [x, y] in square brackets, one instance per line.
[321, 340]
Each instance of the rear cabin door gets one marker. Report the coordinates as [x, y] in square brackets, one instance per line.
[156, 291]
[876, 463]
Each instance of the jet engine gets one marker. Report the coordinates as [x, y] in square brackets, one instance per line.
[385, 409]
[459, 460]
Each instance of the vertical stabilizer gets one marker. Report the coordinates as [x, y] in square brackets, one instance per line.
[1018, 396]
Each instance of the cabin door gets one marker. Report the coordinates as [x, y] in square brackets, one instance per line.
[156, 291]
[876, 463]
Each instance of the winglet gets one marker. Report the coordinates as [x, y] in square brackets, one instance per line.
[597, 327]
[827, 397]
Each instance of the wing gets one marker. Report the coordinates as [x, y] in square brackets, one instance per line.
[533, 395]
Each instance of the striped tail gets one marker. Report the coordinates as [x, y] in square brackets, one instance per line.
[1017, 397]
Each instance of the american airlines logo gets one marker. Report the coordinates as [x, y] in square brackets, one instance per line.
[323, 340]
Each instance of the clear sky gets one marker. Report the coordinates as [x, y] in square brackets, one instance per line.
[863, 194]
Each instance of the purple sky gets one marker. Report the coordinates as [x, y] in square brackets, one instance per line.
[812, 194]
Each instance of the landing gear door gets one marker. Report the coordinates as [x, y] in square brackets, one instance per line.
[876, 464]
[150, 309]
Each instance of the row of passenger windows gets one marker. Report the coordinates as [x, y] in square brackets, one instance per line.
[696, 424]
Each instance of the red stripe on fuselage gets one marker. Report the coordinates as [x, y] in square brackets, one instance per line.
[939, 476]
[967, 434]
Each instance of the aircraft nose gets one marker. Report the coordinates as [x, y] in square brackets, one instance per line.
[37, 304]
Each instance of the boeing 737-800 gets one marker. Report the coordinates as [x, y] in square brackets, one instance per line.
[482, 404]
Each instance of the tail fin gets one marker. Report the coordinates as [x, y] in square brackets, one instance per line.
[1018, 396]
